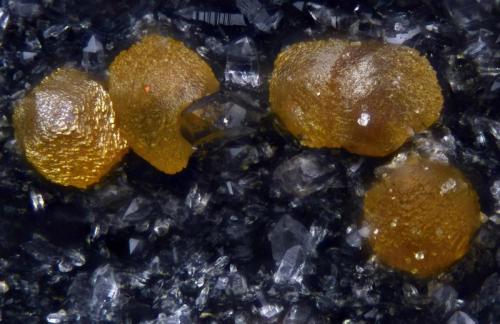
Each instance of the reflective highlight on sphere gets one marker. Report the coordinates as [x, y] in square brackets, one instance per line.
[422, 215]
[66, 128]
[367, 97]
[151, 84]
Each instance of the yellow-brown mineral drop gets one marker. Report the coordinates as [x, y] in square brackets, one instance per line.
[66, 128]
[367, 97]
[422, 215]
[151, 84]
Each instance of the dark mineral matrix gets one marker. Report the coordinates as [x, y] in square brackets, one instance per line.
[256, 228]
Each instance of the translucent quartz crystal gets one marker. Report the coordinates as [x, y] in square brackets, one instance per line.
[421, 215]
[199, 123]
[367, 97]
[216, 117]
[151, 84]
[66, 128]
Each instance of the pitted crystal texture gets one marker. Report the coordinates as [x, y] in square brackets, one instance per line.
[366, 97]
[421, 215]
[67, 131]
[151, 84]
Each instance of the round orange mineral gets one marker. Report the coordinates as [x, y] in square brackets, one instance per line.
[421, 215]
[66, 128]
[367, 97]
[151, 84]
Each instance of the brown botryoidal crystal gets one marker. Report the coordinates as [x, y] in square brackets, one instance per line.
[367, 97]
[421, 215]
[67, 131]
[151, 83]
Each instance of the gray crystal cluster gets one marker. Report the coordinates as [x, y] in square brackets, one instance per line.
[257, 229]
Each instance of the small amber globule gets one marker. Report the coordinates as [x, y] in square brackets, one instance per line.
[422, 215]
[366, 97]
[66, 129]
[151, 83]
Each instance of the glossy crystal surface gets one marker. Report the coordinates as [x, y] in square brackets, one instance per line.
[151, 84]
[367, 97]
[66, 128]
[421, 215]
[257, 229]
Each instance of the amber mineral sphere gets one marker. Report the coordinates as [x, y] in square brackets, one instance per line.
[66, 128]
[367, 97]
[422, 216]
[151, 84]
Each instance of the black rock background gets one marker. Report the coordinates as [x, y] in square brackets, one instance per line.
[257, 229]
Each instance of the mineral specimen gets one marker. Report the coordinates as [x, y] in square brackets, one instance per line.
[236, 238]
[66, 128]
[422, 215]
[151, 84]
[367, 97]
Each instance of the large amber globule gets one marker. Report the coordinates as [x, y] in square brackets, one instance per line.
[367, 97]
[151, 84]
[66, 128]
[422, 216]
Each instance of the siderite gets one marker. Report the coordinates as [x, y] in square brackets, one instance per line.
[151, 83]
[422, 215]
[66, 128]
[367, 97]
